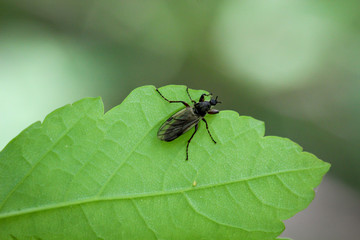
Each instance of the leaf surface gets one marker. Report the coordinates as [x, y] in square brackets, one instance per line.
[83, 174]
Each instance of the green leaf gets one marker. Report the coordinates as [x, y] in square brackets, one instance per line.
[85, 175]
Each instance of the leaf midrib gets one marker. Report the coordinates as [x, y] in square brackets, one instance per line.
[142, 195]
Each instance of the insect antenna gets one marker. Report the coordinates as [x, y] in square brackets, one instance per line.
[217, 100]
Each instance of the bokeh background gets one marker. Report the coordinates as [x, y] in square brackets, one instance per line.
[293, 64]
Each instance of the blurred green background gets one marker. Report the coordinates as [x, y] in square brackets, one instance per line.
[293, 64]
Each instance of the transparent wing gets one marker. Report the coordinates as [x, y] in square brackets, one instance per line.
[178, 124]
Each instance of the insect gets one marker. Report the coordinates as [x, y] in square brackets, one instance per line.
[185, 119]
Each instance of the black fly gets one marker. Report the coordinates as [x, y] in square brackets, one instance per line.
[187, 118]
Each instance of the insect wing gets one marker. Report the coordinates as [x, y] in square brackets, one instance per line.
[178, 124]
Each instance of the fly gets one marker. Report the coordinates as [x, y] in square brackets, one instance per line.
[185, 119]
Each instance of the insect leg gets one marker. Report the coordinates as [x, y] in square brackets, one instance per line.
[213, 111]
[187, 146]
[187, 105]
[187, 90]
[202, 97]
[207, 128]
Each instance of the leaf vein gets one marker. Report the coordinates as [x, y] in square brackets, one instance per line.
[40, 159]
[143, 218]
[261, 201]
[215, 221]
[125, 160]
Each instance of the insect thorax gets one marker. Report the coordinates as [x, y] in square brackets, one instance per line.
[202, 108]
